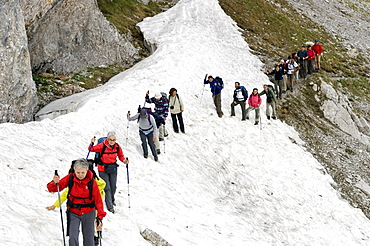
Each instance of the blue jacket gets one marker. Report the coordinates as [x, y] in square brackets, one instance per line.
[215, 88]
[161, 105]
[278, 74]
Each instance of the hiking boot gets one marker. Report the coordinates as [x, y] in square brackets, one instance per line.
[156, 158]
[256, 123]
[96, 241]
[161, 139]
[176, 131]
[183, 132]
[158, 151]
[243, 119]
[145, 156]
[247, 117]
[291, 89]
[268, 117]
[166, 135]
[111, 210]
[273, 117]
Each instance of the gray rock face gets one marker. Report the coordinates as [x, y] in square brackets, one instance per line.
[73, 35]
[18, 93]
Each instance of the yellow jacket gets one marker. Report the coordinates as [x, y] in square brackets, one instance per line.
[63, 196]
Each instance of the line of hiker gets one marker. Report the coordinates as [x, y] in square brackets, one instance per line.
[152, 124]
[240, 97]
[85, 190]
[296, 66]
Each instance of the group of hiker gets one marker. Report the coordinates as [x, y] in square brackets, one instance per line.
[297, 65]
[240, 97]
[84, 190]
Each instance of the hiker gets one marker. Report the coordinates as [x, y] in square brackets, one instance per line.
[176, 109]
[282, 64]
[147, 130]
[270, 101]
[216, 87]
[254, 103]
[317, 47]
[109, 150]
[161, 108]
[292, 68]
[278, 73]
[296, 74]
[240, 97]
[82, 202]
[310, 60]
[303, 55]
[63, 197]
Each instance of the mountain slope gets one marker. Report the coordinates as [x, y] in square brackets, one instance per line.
[225, 182]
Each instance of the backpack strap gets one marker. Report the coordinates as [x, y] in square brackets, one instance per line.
[79, 206]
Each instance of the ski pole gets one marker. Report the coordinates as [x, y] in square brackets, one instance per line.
[100, 236]
[128, 186]
[164, 139]
[127, 128]
[260, 121]
[91, 145]
[60, 208]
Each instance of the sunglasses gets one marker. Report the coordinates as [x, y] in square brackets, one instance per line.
[113, 140]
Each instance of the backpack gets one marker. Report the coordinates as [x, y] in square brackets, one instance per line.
[219, 82]
[269, 99]
[97, 158]
[164, 94]
[158, 119]
[89, 184]
[272, 88]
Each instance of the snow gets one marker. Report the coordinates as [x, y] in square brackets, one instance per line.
[224, 182]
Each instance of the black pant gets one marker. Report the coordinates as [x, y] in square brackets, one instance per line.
[174, 122]
[144, 139]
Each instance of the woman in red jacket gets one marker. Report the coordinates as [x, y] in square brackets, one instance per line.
[83, 198]
[109, 151]
[254, 102]
[311, 59]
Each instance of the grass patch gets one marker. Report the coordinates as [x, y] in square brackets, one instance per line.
[275, 30]
[125, 14]
[356, 86]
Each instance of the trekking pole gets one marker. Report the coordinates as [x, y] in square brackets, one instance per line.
[260, 121]
[100, 237]
[91, 145]
[164, 139]
[128, 186]
[60, 208]
[127, 128]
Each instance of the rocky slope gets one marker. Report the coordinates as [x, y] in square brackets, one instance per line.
[72, 35]
[18, 92]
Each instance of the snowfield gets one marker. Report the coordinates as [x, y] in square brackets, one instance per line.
[224, 182]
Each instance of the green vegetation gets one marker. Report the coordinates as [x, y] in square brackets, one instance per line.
[125, 14]
[277, 30]
[356, 86]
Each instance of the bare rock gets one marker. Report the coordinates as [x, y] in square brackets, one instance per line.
[154, 238]
[73, 35]
[18, 98]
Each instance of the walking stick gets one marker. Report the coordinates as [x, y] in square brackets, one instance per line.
[201, 97]
[127, 128]
[128, 186]
[91, 145]
[60, 208]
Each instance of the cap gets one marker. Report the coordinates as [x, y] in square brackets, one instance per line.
[158, 95]
[316, 40]
[143, 113]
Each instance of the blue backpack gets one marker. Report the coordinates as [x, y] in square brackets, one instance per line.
[219, 82]
[97, 158]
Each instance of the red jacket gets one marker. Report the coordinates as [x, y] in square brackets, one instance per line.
[317, 48]
[311, 54]
[80, 189]
[107, 157]
[254, 100]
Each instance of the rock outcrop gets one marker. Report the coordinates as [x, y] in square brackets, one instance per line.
[18, 92]
[337, 109]
[69, 36]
